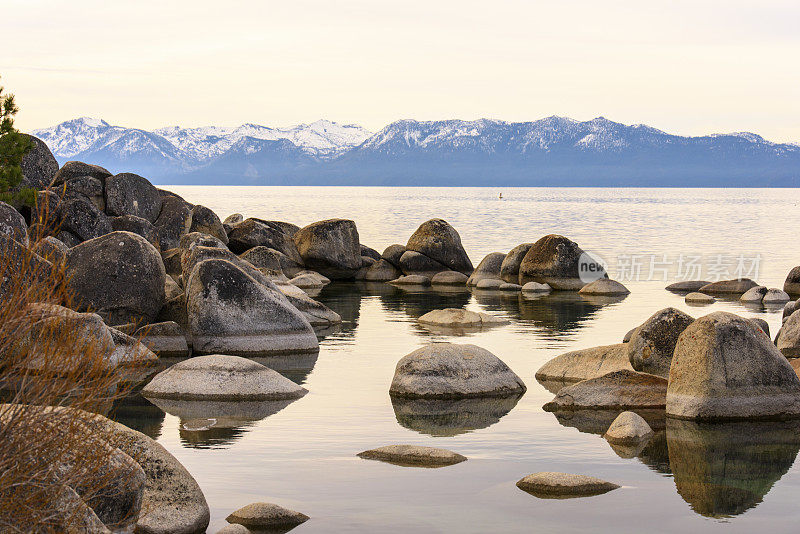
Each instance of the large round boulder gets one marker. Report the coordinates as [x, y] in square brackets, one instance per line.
[39, 166]
[788, 338]
[12, 224]
[330, 247]
[439, 241]
[171, 222]
[203, 220]
[74, 169]
[451, 371]
[136, 225]
[86, 187]
[80, 217]
[130, 194]
[651, 345]
[724, 367]
[557, 261]
[382, 271]
[223, 378]
[792, 283]
[119, 275]
[509, 269]
[412, 262]
[489, 267]
[393, 253]
[230, 312]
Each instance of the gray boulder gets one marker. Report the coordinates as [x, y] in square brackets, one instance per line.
[536, 287]
[754, 294]
[12, 224]
[620, 390]
[724, 367]
[788, 339]
[39, 166]
[460, 318]
[554, 260]
[165, 339]
[393, 253]
[82, 219]
[792, 283]
[509, 269]
[490, 284]
[330, 247]
[51, 249]
[259, 233]
[411, 280]
[86, 187]
[74, 169]
[604, 286]
[687, 285]
[584, 364]
[775, 296]
[450, 278]
[450, 371]
[223, 378]
[652, 344]
[489, 267]
[699, 299]
[230, 312]
[203, 220]
[628, 428]
[439, 241]
[382, 271]
[265, 258]
[130, 194]
[171, 222]
[728, 287]
[790, 308]
[413, 455]
[370, 253]
[412, 262]
[136, 225]
[119, 275]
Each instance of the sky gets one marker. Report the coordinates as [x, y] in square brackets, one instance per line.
[686, 67]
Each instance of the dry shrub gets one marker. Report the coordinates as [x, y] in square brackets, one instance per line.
[52, 357]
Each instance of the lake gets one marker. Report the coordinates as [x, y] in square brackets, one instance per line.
[302, 454]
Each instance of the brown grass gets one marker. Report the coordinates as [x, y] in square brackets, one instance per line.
[50, 358]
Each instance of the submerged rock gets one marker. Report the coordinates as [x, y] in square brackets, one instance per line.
[700, 299]
[448, 370]
[413, 455]
[724, 367]
[456, 317]
[687, 285]
[221, 377]
[536, 287]
[628, 428]
[453, 278]
[411, 280]
[652, 344]
[489, 283]
[562, 485]
[263, 515]
[309, 280]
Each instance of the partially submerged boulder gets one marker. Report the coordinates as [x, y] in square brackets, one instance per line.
[450, 278]
[413, 455]
[440, 242]
[267, 516]
[230, 312]
[775, 296]
[556, 260]
[562, 485]
[490, 284]
[583, 364]
[687, 286]
[166, 339]
[330, 247]
[221, 377]
[460, 318]
[651, 345]
[699, 299]
[624, 390]
[628, 428]
[737, 286]
[724, 367]
[489, 267]
[604, 286]
[536, 287]
[382, 271]
[119, 275]
[509, 269]
[754, 294]
[448, 370]
[411, 280]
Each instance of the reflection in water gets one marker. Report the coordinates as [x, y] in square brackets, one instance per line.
[417, 302]
[136, 412]
[443, 417]
[214, 424]
[598, 421]
[724, 469]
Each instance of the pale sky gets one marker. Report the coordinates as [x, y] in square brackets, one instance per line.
[689, 67]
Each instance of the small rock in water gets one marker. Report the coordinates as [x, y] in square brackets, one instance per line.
[776, 296]
[754, 294]
[564, 485]
[449, 278]
[738, 286]
[489, 267]
[265, 515]
[629, 428]
[536, 287]
[235, 528]
[687, 285]
[413, 455]
[411, 280]
[457, 317]
[490, 283]
[309, 280]
[699, 299]
[584, 364]
[604, 286]
[508, 286]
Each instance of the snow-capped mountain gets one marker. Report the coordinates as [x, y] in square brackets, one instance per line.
[549, 151]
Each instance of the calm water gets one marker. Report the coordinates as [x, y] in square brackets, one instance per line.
[723, 478]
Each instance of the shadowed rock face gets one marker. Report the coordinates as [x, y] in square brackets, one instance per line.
[252, 233]
[412, 262]
[330, 247]
[440, 242]
[553, 260]
[434, 417]
[509, 269]
[598, 421]
[620, 389]
[652, 344]
[724, 469]
[583, 364]
[130, 194]
[39, 166]
[489, 267]
[792, 283]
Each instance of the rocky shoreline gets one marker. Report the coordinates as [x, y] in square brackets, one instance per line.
[157, 277]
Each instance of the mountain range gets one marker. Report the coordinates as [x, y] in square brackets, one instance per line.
[554, 151]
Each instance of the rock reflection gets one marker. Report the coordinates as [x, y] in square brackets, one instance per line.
[417, 302]
[598, 421]
[724, 469]
[216, 424]
[136, 412]
[442, 417]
